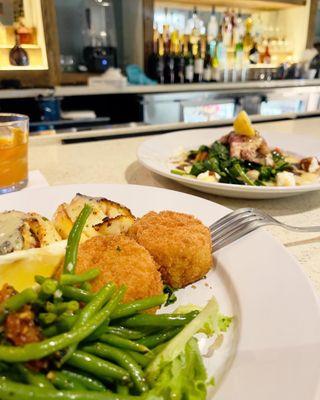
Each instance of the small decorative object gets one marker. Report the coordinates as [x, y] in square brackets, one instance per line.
[18, 56]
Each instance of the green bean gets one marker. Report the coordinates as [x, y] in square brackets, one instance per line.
[123, 359]
[49, 286]
[67, 279]
[86, 286]
[126, 310]
[158, 338]
[50, 331]
[122, 389]
[69, 292]
[17, 301]
[33, 378]
[122, 343]
[3, 366]
[124, 332]
[88, 311]
[17, 391]
[87, 381]
[47, 318]
[142, 359]
[39, 279]
[74, 293]
[98, 367]
[160, 320]
[60, 308]
[35, 351]
[63, 382]
[70, 259]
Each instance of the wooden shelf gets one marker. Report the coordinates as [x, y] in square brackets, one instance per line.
[263, 5]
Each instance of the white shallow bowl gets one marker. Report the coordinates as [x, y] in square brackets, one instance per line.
[155, 154]
[272, 350]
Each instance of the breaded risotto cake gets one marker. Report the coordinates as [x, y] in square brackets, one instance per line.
[179, 243]
[122, 261]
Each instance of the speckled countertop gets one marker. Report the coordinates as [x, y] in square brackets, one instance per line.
[114, 161]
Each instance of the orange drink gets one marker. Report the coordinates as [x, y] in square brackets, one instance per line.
[13, 152]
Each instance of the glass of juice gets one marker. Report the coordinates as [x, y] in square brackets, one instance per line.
[14, 132]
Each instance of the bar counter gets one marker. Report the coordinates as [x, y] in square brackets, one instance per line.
[82, 90]
[114, 161]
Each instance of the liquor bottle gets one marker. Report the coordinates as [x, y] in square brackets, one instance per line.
[198, 64]
[154, 56]
[254, 54]
[160, 60]
[189, 65]
[239, 54]
[194, 27]
[179, 62]
[267, 55]
[248, 40]
[213, 27]
[168, 62]
[215, 61]
[239, 30]
[18, 56]
[207, 70]
[227, 29]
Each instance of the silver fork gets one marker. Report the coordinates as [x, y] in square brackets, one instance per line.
[239, 223]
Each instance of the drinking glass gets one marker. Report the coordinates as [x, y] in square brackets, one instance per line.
[14, 132]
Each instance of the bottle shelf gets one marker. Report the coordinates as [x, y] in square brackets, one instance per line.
[24, 46]
[24, 68]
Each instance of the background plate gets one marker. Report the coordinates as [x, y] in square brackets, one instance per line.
[273, 348]
[155, 154]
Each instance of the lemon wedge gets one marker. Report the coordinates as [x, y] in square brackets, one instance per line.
[242, 125]
[19, 268]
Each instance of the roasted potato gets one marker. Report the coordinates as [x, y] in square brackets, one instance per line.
[22, 231]
[107, 217]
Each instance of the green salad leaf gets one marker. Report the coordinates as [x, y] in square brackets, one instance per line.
[185, 377]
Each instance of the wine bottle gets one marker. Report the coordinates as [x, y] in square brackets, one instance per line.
[179, 62]
[207, 71]
[168, 63]
[189, 65]
[198, 64]
[254, 54]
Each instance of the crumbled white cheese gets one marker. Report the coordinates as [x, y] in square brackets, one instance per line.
[253, 174]
[314, 165]
[206, 177]
[269, 161]
[285, 178]
[187, 169]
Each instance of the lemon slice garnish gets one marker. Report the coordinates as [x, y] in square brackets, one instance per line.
[242, 125]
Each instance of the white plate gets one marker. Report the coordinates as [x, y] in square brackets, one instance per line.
[273, 348]
[155, 154]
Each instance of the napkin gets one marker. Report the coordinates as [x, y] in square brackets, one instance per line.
[36, 180]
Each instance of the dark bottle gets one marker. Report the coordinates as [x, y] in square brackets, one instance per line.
[189, 65]
[156, 60]
[179, 64]
[254, 54]
[18, 56]
[207, 70]
[168, 63]
[198, 64]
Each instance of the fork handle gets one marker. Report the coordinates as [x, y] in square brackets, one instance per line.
[299, 228]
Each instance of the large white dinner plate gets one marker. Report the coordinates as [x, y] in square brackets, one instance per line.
[272, 351]
[156, 153]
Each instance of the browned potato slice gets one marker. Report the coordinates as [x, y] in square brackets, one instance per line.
[114, 226]
[62, 222]
[107, 217]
